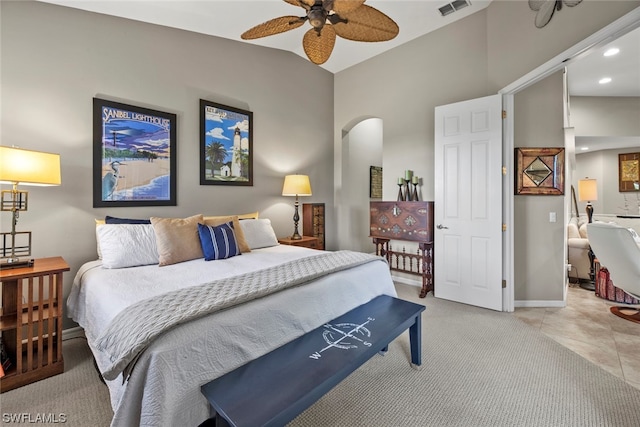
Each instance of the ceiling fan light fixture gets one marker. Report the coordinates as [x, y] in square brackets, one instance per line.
[349, 19]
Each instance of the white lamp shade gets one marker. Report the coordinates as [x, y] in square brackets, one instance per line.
[296, 185]
[28, 167]
[587, 190]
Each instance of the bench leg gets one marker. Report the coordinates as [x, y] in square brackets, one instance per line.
[415, 338]
[383, 352]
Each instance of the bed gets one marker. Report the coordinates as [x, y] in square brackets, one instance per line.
[159, 385]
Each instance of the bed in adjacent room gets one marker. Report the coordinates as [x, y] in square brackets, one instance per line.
[219, 314]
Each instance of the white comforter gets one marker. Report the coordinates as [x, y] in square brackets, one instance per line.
[164, 387]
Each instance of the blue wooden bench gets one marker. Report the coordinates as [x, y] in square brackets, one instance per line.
[273, 389]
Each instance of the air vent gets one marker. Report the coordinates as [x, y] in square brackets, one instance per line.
[454, 6]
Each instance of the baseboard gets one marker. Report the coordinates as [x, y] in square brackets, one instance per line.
[406, 281]
[545, 303]
[70, 333]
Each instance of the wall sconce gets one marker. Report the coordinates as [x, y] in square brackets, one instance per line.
[296, 185]
[26, 167]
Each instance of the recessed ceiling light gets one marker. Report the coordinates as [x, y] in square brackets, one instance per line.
[612, 51]
[584, 148]
[604, 80]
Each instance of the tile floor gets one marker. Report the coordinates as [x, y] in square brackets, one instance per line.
[587, 327]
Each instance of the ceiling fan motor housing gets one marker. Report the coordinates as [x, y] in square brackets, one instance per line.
[317, 17]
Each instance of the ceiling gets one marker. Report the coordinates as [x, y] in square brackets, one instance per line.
[228, 19]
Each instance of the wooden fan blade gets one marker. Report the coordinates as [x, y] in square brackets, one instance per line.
[274, 26]
[345, 6]
[318, 47]
[366, 24]
[302, 3]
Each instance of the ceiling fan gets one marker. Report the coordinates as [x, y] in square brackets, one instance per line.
[349, 19]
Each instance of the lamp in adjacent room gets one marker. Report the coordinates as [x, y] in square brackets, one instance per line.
[296, 185]
[24, 167]
[588, 191]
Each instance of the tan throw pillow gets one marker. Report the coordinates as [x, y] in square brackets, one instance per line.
[214, 221]
[177, 239]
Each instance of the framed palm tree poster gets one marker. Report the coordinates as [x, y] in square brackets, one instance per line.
[134, 155]
[226, 145]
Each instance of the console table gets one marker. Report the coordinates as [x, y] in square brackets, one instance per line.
[407, 221]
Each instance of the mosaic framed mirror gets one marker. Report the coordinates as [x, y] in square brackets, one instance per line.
[539, 171]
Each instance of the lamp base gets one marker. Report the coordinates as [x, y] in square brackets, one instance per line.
[16, 263]
[589, 209]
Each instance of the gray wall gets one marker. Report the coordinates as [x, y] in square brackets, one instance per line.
[56, 59]
[474, 57]
[608, 117]
[603, 166]
[542, 245]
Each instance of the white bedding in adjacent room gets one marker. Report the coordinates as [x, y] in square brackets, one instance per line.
[164, 387]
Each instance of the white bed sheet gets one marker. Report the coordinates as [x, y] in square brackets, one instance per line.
[164, 387]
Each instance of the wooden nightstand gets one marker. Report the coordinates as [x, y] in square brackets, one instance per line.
[31, 321]
[306, 241]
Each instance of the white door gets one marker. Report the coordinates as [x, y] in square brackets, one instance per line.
[468, 202]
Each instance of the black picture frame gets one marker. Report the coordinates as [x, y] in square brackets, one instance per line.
[226, 145]
[134, 155]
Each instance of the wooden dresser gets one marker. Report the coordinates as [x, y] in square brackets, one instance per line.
[405, 221]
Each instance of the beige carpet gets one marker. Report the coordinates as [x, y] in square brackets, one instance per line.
[480, 368]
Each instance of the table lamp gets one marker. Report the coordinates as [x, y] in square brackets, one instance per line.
[296, 185]
[588, 191]
[25, 167]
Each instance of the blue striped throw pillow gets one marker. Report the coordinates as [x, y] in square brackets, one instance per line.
[218, 242]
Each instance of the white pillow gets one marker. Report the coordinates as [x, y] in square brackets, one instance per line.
[127, 245]
[258, 233]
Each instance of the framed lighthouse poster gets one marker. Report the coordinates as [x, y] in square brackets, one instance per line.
[134, 155]
[226, 145]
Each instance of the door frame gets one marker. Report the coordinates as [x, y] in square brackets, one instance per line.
[611, 32]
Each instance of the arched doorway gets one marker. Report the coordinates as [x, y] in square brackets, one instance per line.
[361, 148]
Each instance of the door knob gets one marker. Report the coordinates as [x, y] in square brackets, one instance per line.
[441, 227]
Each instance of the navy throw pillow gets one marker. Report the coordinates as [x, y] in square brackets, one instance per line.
[113, 220]
[218, 242]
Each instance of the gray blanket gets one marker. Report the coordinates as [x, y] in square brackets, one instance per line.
[133, 329]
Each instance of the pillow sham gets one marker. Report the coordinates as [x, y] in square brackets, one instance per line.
[177, 239]
[127, 245]
[98, 222]
[113, 220]
[259, 233]
[218, 220]
[218, 242]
